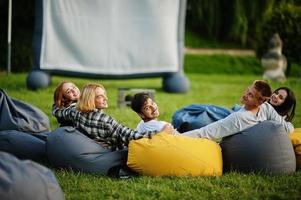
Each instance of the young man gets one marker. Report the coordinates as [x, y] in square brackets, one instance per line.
[148, 111]
[256, 109]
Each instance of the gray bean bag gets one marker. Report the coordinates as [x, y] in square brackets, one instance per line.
[263, 148]
[20, 116]
[26, 180]
[68, 148]
[23, 145]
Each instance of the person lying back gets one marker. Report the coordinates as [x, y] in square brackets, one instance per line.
[256, 109]
[89, 118]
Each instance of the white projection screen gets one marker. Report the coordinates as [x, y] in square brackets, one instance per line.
[109, 37]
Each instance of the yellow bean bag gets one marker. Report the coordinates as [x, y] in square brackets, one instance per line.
[296, 141]
[175, 155]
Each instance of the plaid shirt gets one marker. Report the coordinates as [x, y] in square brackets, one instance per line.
[99, 126]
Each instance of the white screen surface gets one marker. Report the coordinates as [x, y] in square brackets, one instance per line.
[115, 37]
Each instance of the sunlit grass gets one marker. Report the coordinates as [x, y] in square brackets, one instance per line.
[219, 89]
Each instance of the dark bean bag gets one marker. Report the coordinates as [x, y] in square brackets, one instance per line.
[20, 116]
[198, 115]
[23, 145]
[264, 148]
[68, 148]
[26, 180]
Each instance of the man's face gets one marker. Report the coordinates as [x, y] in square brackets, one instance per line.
[149, 110]
[251, 97]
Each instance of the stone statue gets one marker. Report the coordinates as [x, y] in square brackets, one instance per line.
[273, 62]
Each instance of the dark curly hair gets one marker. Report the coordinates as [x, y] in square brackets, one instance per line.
[138, 101]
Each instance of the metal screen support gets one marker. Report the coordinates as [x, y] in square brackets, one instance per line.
[9, 36]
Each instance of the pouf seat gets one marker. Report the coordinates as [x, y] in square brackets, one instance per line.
[199, 115]
[264, 148]
[23, 145]
[26, 180]
[21, 116]
[68, 148]
[175, 155]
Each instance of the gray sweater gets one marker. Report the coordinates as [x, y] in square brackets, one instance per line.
[239, 121]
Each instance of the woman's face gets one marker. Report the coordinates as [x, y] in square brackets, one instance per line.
[70, 91]
[278, 97]
[101, 99]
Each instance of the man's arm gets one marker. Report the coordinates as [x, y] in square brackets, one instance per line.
[126, 134]
[230, 125]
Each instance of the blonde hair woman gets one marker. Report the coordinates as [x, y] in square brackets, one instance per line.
[94, 96]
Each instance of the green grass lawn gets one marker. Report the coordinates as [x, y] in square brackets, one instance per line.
[222, 89]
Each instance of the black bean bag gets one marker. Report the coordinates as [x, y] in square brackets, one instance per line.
[68, 148]
[20, 116]
[23, 145]
[26, 180]
[264, 148]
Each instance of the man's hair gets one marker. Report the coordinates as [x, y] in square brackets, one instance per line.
[138, 101]
[86, 102]
[264, 88]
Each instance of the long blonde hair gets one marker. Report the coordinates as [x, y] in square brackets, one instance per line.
[86, 102]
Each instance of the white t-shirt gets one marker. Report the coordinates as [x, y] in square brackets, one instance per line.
[152, 125]
[238, 121]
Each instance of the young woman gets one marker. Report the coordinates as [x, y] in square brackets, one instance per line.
[284, 102]
[89, 118]
[65, 94]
